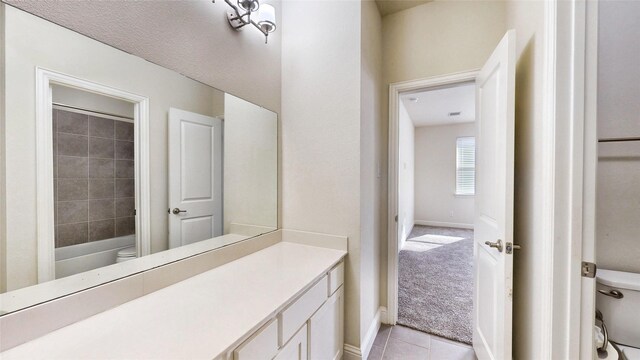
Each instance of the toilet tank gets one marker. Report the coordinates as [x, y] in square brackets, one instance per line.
[622, 316]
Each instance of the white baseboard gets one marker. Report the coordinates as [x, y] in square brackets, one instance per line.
[352, 352]
[444, 224]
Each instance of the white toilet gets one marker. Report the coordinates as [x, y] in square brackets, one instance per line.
[618, 298]
[126, 254]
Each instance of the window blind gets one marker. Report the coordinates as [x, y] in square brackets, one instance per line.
[466, 165]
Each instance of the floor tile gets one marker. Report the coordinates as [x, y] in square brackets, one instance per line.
[410, 336]
[400, 350]
[445, 350]
[376, 352]
[383, 335]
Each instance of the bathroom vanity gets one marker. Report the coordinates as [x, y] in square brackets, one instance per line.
[144, 214]
[284, 302]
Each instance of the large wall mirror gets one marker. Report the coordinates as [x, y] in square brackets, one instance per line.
[114, 165]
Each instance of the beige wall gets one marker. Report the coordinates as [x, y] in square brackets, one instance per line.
[321, 130]
[332, 139]
[435, 179]
[191, 37]
[527, 18]
[406, 174]
[618, 194]
[250, 164]
[618, 70]
[440, 37]
[371, 148]
[436, 38]
[31, 42]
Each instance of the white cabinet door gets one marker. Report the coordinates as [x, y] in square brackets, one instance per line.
[296, 348]
[325, 329]
[493, 250]
[195, 177]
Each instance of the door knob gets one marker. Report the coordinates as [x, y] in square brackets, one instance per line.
[497, 244]
[177, 211]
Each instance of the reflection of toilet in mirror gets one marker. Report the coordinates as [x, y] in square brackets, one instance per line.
[126, 254]
[94, 180]
[618, 302]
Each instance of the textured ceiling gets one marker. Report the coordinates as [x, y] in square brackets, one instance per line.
[191, 37]
[387, 7]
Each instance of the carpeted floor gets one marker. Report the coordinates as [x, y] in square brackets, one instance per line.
[435, 292]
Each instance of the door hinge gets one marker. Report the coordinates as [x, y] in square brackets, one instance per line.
[396, 218]
[589, 269]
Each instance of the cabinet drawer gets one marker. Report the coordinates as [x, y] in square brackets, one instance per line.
[263, 344]
[336, 278]
[292, 318]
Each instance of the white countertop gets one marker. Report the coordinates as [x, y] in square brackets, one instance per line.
[198, 318]
[32, 295]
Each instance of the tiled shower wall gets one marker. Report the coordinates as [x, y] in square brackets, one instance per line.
[93, 178]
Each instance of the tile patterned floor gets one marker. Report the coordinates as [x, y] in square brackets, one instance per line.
[402, 343]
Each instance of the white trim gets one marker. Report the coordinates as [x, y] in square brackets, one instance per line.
[563, 179]
[444, 224]
[582, 321]
[351, 352]
[44, 164]
[545, 287]
[395, 90]
[362, 352]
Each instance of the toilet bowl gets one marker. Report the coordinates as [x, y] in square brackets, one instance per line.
[618, 298]
[126, 254]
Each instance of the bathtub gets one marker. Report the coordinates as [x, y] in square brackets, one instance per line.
[79, 258]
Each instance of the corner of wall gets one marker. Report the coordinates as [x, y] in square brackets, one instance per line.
[370, 162]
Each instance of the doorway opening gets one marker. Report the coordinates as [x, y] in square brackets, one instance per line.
[74, 119]
[493, 246]
[436, 188]
[93, 180]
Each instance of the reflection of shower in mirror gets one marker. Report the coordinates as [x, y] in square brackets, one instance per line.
[94, 192]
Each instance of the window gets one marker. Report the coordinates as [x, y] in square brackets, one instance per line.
[466, 165]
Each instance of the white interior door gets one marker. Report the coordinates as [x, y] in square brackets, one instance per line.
[195, 177]
[493, 247]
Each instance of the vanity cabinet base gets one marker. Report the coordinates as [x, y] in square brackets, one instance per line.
[311, 327]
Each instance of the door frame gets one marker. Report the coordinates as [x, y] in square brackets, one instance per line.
[395, 90]
[44, 164]
[569, 123]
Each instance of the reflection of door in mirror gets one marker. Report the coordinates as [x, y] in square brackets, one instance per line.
[195, 177]
[93, 180]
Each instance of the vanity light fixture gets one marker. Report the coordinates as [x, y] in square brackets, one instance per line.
[251, 12]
